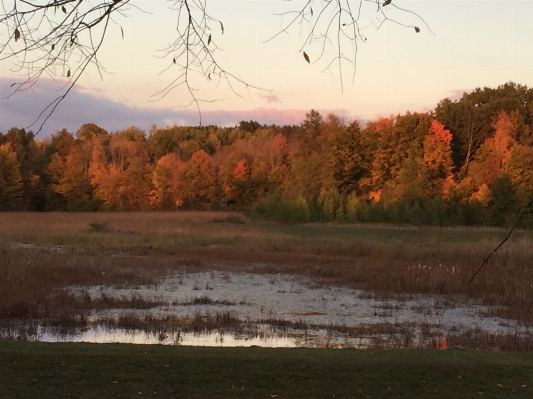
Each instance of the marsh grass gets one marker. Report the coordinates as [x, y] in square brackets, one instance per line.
[140, 248]
[205, 300]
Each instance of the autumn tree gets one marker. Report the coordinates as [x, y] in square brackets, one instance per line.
[491, 159]
[438, 159]
[60, 146]
[168, 192]
[277, 151]
[73, 182]
[198, 177]
[398, 169]
[121, 173]
[382, 166]
[263, 156]
[239, 186]
[10, 180]
[469, 118]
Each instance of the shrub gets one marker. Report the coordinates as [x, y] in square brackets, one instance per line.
[98, 226]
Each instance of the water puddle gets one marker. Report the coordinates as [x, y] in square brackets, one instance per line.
[244, 309]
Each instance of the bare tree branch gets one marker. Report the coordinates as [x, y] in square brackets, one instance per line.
[61, 39]
[518, 219]
[346, 17]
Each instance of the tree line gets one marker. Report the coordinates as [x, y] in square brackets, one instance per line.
[467, 162]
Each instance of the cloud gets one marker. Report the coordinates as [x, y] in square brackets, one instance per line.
[271, 98]
[84, 106]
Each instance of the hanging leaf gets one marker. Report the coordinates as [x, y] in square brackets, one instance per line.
[417, 29]
[53, 47]
[386, 3]
[209, 76]
[311, 10]
[68, 74]
[64, 9]
[174, 60]
[17, 34]
[221, 27]
[209, 40]
[306, 57]
[122, 31]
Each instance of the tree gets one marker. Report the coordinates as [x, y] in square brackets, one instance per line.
[470, 118]
[502, 202]
[168, 190]
[491, 159]
[86, 132]
[239, 187]
[198, 177]
[520, 172]
[438, 158]
[121, 173]
[310, 158]
[253, 167]
[64, 38]
[22, 143]
[250, 126]
[307, 135]
[351, 160]
[70, 178]
[10, 180]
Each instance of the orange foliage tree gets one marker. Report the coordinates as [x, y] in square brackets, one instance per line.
[121, 175]
[438, 159]
[167, 182]
[198, 177]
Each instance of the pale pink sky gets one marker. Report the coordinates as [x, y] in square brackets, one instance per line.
[474, 44]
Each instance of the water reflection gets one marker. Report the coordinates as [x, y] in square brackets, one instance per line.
[208, 338]
[270, 336]
[265, 339]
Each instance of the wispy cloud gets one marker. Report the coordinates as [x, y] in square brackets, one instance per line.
[271, 98]
[84, 106]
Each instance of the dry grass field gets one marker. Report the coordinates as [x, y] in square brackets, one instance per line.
[43, 253]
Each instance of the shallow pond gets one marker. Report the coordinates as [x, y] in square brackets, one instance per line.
[271, 310]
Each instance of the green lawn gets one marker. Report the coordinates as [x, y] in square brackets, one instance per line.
[39, 370]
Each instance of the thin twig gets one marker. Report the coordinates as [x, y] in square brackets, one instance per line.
[504, 240]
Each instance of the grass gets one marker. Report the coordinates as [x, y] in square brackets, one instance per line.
[86, 371]
[42, 253]
[402, 233]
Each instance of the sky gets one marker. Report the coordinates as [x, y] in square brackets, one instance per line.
[462, 44]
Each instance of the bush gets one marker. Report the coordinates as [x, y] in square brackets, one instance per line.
[280, 209]
[98, 226]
